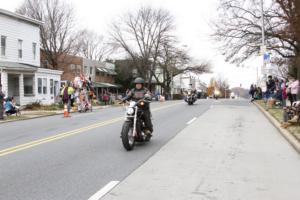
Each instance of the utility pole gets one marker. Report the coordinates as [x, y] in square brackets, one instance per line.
[263, 47]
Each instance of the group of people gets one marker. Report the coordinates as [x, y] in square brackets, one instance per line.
[7, 105]
[255, 92]
[280, 90]
[80, 91]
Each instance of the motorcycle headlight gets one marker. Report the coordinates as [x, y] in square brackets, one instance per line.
[130, 111]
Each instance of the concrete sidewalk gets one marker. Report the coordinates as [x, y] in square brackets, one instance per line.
[231, 152]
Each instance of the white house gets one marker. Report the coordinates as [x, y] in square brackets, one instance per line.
[21, 75]
[188, 80]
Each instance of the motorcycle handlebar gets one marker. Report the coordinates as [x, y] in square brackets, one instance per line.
[146, 101]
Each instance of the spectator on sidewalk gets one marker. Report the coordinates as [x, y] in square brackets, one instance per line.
[270, 87]
[66, 94]
[105, 98]
[10, 109]
[294, 89]
[284, 95]
[259, 93]
[251, 92]
[278, 91]
[157, 95]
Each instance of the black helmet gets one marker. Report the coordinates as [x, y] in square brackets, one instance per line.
[139, 80]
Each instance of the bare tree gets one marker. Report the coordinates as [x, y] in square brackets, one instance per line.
[94, 46]
[239, 28]
[147, 37]
[57, 33]
[173, 61]
[141, 34]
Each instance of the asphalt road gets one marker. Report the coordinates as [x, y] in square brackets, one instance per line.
[231, 152]
[57, 158]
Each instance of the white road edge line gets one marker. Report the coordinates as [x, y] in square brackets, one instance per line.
[107, 188]
[191, 121]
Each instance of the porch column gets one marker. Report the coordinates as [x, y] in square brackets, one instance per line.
[21, 88]
[4, 82]
[97, 94]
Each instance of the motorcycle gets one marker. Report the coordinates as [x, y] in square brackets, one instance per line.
[133, 127]
[190, 98]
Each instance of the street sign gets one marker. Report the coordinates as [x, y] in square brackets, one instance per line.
[266, 57]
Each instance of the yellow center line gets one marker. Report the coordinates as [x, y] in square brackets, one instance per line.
[34, 143]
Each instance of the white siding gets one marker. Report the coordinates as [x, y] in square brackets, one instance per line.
[48, 74]
[15, 29]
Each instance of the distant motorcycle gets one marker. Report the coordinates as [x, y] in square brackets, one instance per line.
[133, 127]
[190, 97]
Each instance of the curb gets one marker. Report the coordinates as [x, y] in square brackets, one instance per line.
[285, 133]
[44, 116]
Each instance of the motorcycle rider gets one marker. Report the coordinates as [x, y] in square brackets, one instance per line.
[138, 93]
[193, 92]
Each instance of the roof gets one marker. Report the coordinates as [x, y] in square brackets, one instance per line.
[105, 85]
[18, 66]
[108, 71]
[20, 17]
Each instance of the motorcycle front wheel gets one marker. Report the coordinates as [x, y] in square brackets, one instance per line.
[128, 139]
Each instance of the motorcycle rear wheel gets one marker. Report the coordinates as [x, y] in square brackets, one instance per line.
[127, 136]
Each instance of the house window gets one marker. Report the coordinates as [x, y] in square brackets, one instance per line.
[134, 72]
[44, 86]
[40, 85]
[86, 70]
[34, 51]
[78, 69]
[3, 45]
[91, 70]
[72, 67]
[51, 86]
[56, 88]
[45, 63]
[28, 85]
[20, 47]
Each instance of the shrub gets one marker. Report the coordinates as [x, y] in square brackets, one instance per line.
[34, 106]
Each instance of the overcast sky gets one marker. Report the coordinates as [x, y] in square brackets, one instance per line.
[192, 18]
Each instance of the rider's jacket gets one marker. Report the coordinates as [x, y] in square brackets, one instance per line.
[136, 95]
